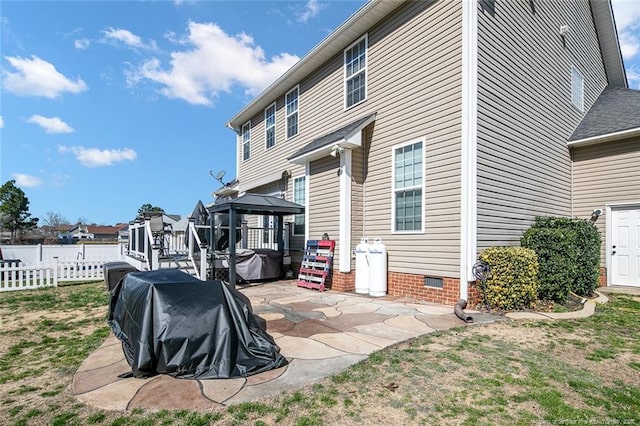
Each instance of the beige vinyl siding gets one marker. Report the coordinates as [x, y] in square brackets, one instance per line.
[324, 197]
[525, 113]
[414, 87]
[606, 173]
[357, 191]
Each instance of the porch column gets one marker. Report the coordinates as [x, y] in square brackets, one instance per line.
[345, 211]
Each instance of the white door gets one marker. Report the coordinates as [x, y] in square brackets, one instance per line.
[625, 247]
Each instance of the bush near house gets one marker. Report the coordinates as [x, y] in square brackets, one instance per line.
[513, 283]
[569, 255]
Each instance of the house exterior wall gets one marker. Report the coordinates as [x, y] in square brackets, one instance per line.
[414, 87]
[605, 174]
[525, 114]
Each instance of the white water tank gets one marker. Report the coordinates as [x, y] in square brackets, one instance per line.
[362, 267]
[377, 268]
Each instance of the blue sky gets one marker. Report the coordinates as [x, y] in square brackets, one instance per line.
[109, 105]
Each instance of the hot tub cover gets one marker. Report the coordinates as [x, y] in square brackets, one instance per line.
[172, 323]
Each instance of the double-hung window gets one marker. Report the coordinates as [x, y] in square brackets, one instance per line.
[246, 141]
[577, 89]
[408, 187]
[291, 106]
[355, 73]
[270, 125]
[299, 191]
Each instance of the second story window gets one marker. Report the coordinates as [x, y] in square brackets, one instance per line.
[270, 125]
[246, 141]
[577, 89]
[355, 72]
[291, 105]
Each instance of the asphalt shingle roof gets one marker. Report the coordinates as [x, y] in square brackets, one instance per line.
[616, 109]
[330, 138]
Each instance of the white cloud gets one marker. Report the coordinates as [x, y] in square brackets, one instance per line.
[94, 157]
[27, 181]
[128, 38]
[1, 122]
[311, 10]
[50, 124]
[81, 44]
[214, 63]
[633, 77]
[36, 77]
[627, 16]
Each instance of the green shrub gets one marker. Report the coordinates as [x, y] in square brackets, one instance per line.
[513, 283]
[569, 254]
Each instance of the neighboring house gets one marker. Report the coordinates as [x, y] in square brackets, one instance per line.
[76, 233]
[90, 232]
[445, 127]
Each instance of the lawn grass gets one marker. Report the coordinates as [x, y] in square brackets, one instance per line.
[515, 372]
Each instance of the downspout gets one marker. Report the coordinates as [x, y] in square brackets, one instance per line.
[469, 142]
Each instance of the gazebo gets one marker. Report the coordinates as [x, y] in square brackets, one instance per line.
[262, 205]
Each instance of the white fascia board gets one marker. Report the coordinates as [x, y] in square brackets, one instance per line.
[469, 145]
[609, 137]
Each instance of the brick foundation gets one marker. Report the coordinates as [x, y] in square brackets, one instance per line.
[603, 277]
[407, 285]
[341, 281]
[412, 285]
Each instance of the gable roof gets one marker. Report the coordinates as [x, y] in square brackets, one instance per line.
[375, 11]
[320, 147]
[614, 115]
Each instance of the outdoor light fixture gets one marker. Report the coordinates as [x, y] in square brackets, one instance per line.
[336, 150]
[595, 214]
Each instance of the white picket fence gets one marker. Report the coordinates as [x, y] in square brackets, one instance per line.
[44, 266]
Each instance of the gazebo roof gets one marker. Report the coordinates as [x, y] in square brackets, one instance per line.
[258, 204]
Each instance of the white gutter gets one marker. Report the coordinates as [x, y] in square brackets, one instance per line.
[624, 134]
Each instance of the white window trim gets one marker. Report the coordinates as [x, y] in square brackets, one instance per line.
[581, 106]
[286, 113]
[266, 129]
[306, 193]
[366, 68]
[393, 189]
[247, 124]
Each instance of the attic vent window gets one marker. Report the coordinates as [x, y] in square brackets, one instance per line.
[577, 89]
[433, 282]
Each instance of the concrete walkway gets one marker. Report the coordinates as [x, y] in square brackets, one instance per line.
[320, 333]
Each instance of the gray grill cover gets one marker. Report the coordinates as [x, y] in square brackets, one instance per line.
[172, 323]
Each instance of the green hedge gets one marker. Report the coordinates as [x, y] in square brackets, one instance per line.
[513, 283]
[569, 254]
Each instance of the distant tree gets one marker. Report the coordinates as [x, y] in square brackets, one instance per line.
[14, 210]
[54, 220]
[148, 208]
[82, 220]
